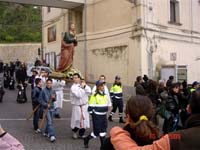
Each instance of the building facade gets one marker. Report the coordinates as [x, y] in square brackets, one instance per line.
[129, 38]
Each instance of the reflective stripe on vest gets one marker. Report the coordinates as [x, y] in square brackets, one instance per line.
[116, 92]
[192, 90]
[98, 104]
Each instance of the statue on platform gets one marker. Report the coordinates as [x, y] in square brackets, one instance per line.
[69, 41]
[65, 69]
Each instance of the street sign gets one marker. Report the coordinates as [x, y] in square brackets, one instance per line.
[173, 56]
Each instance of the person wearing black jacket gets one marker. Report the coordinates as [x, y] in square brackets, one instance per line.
[170, 82]
[145, 84]
[21, 75]
[33, 77]
[172, 106]
[12, 69]
[2, 92]
[1, 66]
[183, 102]
[190, 135]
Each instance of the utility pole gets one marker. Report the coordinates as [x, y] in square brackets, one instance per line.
[42, 46]
[85, 41]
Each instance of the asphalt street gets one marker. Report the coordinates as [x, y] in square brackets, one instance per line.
[13, 120]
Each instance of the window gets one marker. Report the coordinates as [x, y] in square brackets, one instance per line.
[174, 11]
[48, 9]
[182, 73]
[76, 17]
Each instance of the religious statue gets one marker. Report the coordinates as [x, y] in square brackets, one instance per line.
[67, 49]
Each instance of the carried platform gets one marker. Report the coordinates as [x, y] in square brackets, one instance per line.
[66, 75]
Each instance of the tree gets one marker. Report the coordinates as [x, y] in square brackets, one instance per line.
[19, 23]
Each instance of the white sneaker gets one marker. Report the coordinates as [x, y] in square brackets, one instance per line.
[74, 135]
[46, 135]
[52, 138]
[82, 137]
[38, 131]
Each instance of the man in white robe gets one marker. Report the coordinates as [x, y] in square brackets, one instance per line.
[79, 95]
[58, 86]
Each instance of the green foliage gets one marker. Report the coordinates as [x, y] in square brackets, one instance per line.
[19, 23]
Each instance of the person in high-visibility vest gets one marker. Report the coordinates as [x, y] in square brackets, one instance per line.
[195, 85]
[98, 108]
[116, 95]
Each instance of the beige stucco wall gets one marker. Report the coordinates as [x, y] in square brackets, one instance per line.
[25, 52]
[108, 14]
[137, 28]
[160, 14]
[111, 53]
[57, 17]
[166, 38]
[55, 45]
[185, 47]
[111, 49]
[54, 13]
[187, 54]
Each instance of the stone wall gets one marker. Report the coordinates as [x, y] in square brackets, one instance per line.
[25, 52]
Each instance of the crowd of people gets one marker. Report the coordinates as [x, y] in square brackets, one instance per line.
[140, 132]
[97, 102]
[175, 103]
[169, 99]
[15, 76]
[84, 100]
[13, 73]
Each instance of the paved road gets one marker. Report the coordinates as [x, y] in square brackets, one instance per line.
[13, 119]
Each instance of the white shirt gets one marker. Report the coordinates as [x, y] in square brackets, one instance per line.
[58, 85]
[79, 95]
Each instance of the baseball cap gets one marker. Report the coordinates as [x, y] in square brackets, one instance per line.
[195, 83]
[117, 77]
[99, 82]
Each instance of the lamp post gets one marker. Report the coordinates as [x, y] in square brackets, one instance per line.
[42, 46]
[85, 43]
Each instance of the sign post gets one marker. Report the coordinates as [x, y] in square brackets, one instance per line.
[173, 57]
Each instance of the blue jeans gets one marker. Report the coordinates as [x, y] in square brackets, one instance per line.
[36, 116]
[57, 111]
[49, 124]
[175, 121]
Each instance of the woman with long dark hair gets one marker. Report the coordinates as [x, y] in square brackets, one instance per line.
[179, 140]
[139, 112]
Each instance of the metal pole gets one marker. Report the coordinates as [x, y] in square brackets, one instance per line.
[42, 45]
[85, 40]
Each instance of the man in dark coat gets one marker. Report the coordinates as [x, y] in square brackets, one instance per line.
[189, 137]
[21, 75]
[170, 81]
[172, 106]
